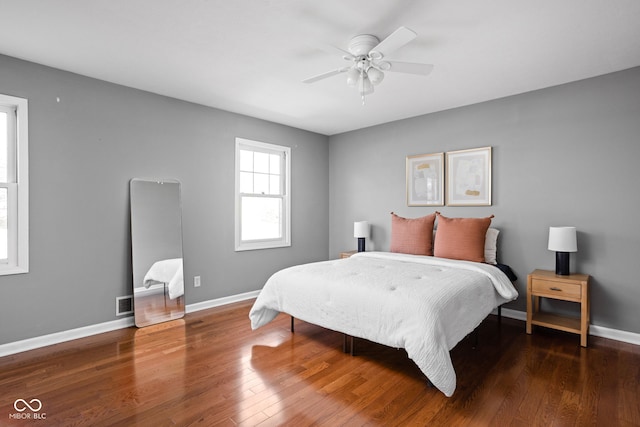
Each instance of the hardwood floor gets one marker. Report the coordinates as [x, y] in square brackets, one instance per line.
[210, 369]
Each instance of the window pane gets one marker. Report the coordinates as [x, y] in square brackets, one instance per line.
[246, 182]
[261, 162]
[260, 183]
[261, 218]
[3, 146]
[274, 164]
[246, 160]
[3, 224]
[274, 184]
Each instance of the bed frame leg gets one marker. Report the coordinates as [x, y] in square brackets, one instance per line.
[499, 314]
[348, 342]
[292, 328]
[475, 338]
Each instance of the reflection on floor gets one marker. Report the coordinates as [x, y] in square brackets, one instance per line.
[151, 308]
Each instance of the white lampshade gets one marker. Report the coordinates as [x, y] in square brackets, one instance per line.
[563, 239]
[353, 75]
[361, 229]
[375, 75]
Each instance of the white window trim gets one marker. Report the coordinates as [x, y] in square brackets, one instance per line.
[271, 243]
[18, 261]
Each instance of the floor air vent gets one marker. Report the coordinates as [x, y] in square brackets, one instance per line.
[124, 305]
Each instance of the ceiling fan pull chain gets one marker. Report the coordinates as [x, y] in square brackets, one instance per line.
[362, 85]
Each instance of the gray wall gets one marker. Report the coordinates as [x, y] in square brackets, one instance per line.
[566, 155]
[83, 152]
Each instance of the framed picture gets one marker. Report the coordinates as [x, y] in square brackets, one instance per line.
[469, 177]
[425, 180]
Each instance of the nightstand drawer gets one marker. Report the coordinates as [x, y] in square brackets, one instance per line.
[555, 289]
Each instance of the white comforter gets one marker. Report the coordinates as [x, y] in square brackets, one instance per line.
[425, 305]
[169, 272]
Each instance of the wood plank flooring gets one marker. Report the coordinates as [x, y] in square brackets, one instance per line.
[210, 369]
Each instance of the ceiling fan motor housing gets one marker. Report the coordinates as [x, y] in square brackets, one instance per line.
[362, 44]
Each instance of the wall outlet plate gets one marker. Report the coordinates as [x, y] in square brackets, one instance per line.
[196, 281]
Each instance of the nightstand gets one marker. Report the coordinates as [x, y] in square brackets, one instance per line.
[347, 254]
[573, 287]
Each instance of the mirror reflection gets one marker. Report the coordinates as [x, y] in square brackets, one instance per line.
[156, 251]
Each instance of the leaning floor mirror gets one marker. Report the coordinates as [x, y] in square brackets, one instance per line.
[156, 251]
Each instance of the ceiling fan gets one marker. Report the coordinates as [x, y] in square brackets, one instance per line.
[368, 55]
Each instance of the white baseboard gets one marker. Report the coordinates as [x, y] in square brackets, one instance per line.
[158, 288]
[595, 330]
[614, 334]
[72, 334]
[221, 301]
[513, 314]
[58, 337]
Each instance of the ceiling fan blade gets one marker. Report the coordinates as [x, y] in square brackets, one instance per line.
[336, 50]
[410, 68]
[325, 75]
[393, 42]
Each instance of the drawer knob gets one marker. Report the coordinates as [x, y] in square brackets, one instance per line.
[555, 289]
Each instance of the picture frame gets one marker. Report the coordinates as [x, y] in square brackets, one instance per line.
[469, 177]
[425, 179]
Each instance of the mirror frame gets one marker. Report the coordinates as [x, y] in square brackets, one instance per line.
[156, 255]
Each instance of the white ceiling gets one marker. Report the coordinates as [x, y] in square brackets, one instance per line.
[250, 56]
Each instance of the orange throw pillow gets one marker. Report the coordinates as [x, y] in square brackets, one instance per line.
[461, 238]
[412, 235]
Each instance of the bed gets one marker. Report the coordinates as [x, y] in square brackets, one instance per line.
[423, 304]
[426, 294]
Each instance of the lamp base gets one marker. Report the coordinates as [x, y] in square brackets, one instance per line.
[562, 263]
[360, 244]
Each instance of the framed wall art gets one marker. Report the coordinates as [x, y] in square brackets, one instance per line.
[469, 177]
[425, 180]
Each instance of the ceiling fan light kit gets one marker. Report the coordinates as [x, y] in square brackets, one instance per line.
[353, 75]
[375, 75]
[367, 53]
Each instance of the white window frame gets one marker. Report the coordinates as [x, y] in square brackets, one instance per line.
[285, 240]
[18, 188]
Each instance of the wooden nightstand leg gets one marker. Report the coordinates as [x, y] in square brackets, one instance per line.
[529, 308]
[584, 317]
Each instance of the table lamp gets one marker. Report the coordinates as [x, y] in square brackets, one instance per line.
[361, 232]
[563, 240]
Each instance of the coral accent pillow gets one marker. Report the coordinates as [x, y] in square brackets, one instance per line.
[412, 235]
[461, 238]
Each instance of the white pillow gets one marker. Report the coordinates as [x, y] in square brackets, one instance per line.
[491, 246]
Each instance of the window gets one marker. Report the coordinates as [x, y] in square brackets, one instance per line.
[262, 195]
[14, 186]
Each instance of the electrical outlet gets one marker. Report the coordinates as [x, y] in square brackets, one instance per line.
[196, 281]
